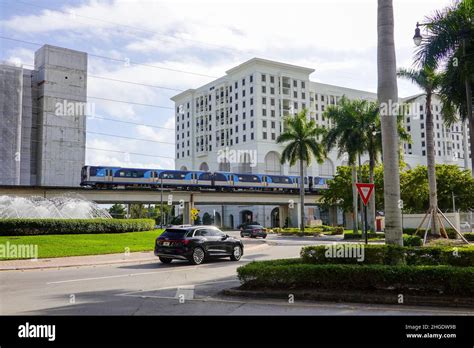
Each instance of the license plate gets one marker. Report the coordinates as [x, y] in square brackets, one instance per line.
[166, 243]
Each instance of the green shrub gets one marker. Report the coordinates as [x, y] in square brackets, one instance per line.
[281, 274]
[410, 240]
[348, 235]
[469, 236]
[24, 227]
[385, 254]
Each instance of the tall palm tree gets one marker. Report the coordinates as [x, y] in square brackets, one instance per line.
[356, 131]
[347, 134]
[387, 92]
[428, 80]
[300, 138]
[450, 39]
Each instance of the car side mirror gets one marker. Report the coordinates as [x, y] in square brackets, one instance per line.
[225, 236]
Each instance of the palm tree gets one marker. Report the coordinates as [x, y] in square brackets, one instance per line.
[346, 134]
[450, 39]
[300, 139]
[387, 92]
[428, 80]
[356, 130]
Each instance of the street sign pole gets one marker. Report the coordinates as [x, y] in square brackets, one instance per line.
[365, 224]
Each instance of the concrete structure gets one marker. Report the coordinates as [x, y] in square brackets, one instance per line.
[286, 205]
[231, 124]
[43, 120]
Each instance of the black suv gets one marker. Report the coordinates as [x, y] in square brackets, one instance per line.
[196, 243]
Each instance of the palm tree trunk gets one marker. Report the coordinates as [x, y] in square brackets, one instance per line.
[355, 196]
[388, 95]
[431, 165]
[302, 196]
[361, 203]
[371, 207]
[470, 117]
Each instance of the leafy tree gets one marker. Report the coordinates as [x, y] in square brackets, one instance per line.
[450, 40]
[428, 80]
[300, 138]
[117, 211]
[414, 188]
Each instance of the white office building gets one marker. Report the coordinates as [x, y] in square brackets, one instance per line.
[232, 123]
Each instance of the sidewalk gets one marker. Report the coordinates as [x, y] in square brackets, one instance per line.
[93, 260]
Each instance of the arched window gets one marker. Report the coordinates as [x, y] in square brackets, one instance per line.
[224, 166]
[204, 167]
[272, 163]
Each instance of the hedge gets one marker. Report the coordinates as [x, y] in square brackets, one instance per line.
[469, 236]
[412, 240]
[293, 275]
[24, 227]
[348, 235]
[384, 254]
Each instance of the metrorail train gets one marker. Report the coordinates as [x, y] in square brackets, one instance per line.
[116, 177]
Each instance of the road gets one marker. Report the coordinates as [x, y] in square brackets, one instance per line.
[153, 288]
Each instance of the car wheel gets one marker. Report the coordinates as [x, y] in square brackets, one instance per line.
[236, 253]
[198, 256]
[165, 259]
[264, 237]
[241, 235]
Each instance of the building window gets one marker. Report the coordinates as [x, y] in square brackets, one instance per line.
[264, 135]
[264, 77]
[272, 79]
[251, 78]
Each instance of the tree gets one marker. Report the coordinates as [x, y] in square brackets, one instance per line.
[414, 188]
[428, 80]
[450, 39]
[300, 138]
[356, 130]
[347, 134]
[117, 211]
[388, 96]
[137, 211]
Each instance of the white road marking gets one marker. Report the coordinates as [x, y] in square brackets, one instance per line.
[124, 275]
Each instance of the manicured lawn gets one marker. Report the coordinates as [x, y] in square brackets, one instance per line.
[86, 244]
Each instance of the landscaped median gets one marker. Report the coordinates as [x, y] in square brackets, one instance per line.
[49, 238]
[440, 276]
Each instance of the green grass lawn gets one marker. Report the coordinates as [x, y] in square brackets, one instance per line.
[86, 244]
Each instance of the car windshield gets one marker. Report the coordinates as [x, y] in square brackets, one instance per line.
[174, 233]
[255, 226]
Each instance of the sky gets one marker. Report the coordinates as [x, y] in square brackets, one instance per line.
[184, 44]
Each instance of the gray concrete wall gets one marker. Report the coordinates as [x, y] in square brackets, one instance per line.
[62, 80]
[11, 89]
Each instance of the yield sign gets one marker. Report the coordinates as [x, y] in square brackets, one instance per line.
[365, 191]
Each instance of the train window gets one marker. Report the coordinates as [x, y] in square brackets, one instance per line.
[249, 178]
[219, 177]
[205, 176]
[180, 175]
[92, 171]
[280, 179]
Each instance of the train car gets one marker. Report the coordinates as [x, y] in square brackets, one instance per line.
[106, 177]
[279, 182]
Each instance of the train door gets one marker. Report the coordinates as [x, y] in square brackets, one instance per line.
[109, 176]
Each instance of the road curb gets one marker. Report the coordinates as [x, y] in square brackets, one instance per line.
[57, 265]
[355, 297]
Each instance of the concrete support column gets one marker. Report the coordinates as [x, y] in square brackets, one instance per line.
[283, 214]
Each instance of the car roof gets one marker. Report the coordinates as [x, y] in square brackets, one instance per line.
[191, 228]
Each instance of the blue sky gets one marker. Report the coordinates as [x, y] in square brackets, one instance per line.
[201, 39]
